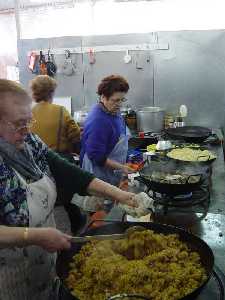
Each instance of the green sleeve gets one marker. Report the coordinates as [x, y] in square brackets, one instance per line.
[68, 176]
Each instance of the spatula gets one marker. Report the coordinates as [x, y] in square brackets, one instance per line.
[88, 238]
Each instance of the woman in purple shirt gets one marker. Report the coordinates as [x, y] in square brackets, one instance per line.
[104, 142]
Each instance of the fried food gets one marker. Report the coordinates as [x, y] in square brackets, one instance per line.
[154, 265]
[168, 178]
[188, 154]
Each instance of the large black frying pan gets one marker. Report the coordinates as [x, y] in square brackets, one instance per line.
[191, 134]
[195, 243]
[170, 167]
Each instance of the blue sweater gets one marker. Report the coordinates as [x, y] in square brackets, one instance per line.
[101, 133]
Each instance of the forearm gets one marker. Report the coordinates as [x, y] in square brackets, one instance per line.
[114, 165]
[18, 236]
[100, 188]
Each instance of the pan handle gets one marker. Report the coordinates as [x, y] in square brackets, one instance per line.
[127, 296]
[102, 220]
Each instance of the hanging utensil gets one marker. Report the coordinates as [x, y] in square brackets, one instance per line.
[50, 65]
[92, 59]
[42, 64]
[127, 58]
[68, 68]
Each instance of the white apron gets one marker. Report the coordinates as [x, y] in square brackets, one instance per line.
[28, 273]
[119, 154]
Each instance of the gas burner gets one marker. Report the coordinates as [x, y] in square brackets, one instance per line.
[200, 197]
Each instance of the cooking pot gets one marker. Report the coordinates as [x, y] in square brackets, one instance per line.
[150, 119]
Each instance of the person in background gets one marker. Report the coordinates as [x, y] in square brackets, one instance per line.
[54, 125]
[30, 174]
[104, 143]
[59, 131]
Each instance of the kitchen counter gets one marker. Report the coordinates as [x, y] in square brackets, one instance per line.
[211, 227]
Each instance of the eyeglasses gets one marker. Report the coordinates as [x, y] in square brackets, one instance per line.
[21, 127]
[119, 100]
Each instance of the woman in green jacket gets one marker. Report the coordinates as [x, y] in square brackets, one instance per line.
[30, 174]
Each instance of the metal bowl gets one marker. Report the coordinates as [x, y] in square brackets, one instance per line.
[163, 145]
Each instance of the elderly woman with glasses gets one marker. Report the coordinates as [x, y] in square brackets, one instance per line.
[30, 174]
[104, 142]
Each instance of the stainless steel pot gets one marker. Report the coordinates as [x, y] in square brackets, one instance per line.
[150, 119]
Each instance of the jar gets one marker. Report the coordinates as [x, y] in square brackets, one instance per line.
[168, 121]
[179, 121]
[131, 120]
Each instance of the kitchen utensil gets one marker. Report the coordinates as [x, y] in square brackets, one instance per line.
[147, 156]
[150, 119]
[42, 64]
[196, 244]
[50, 65]
[191, 134]
[128, 296]
[163, 145]
[127, 58]
[69, 67]
[183, 111]
[84, 239]
[167, 188]
[169, 166]
[209, 159]
[168, 121]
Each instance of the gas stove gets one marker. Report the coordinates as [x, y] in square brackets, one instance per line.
[199, 198]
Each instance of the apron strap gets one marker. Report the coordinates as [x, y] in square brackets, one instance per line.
[59, 129]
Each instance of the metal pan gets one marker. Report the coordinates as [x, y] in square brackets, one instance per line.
[207, 162]
[194, 243]
[170, 167]
[191, 134]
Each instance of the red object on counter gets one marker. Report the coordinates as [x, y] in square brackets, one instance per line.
[141, 134]
[99, 215]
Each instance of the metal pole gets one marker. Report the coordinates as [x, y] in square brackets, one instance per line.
[17, 17]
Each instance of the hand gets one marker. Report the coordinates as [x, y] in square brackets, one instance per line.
[128, 198]
[50, 239]
[144, 204]
[127, 170]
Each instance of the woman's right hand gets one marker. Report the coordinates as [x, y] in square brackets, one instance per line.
[50, 239]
